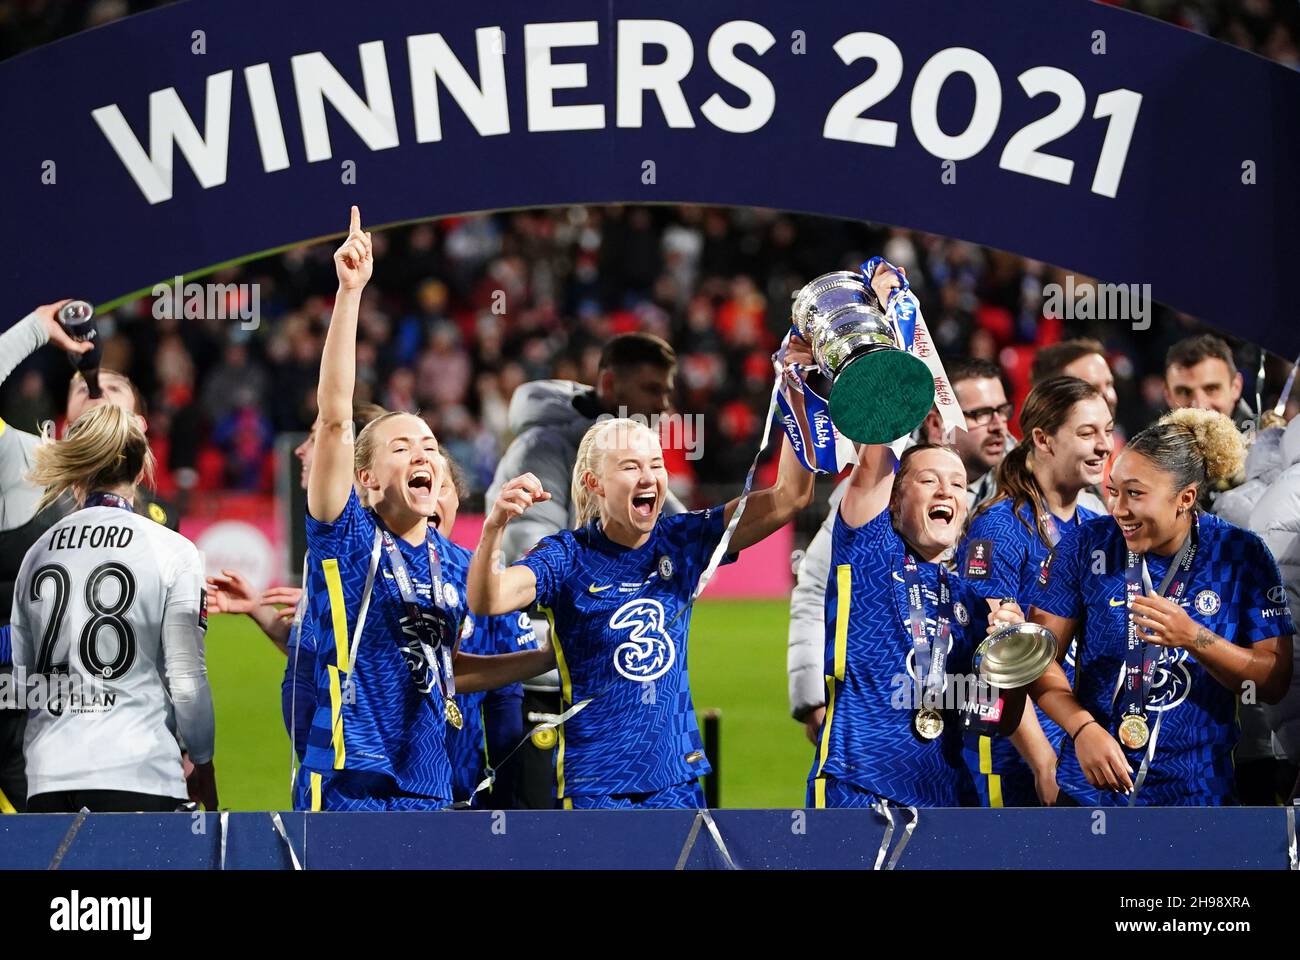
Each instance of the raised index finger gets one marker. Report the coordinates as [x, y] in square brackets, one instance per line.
[355, 225]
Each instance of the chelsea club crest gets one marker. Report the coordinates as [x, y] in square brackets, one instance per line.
[665, 568]
[961, 613]
[1207, 603]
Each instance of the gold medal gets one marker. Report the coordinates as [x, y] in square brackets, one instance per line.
[1134, 732]
[453, 713]
[927, 723]
[545, 738]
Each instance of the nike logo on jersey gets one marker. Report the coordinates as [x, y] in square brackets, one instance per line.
[595, 589]
[1117, 603]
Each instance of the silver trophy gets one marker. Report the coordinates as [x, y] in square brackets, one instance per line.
[879, 391]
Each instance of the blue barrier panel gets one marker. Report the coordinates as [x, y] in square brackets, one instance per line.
[1161, 839]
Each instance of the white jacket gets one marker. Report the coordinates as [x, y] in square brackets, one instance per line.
[1276, 518]
[1263, 464]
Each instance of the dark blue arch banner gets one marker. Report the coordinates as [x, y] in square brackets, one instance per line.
[1071, 132]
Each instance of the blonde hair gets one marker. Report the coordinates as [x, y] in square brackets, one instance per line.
[1193, 446]
[591, 460]
[104, 447]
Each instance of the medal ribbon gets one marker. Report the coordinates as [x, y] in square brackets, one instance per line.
[424, 669]
[1142, 658]
[1053, 531]
[930, 657]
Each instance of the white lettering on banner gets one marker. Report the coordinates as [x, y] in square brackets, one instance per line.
[434, 68]
[545, 77]
[170, 126]
[484, 104]
[664, 79]
[373, 119]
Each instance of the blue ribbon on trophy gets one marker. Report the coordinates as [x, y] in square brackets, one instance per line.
[806, 416]
[904, 312]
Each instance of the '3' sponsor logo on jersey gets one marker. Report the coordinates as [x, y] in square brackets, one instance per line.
[648, 652]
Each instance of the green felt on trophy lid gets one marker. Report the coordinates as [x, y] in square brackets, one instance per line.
[881, 396]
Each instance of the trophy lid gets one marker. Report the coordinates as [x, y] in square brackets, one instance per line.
[881, 395]
[1016, 655]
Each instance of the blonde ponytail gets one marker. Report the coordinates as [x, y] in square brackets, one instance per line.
[1218, 439]
[1193, 447]
[105, 447]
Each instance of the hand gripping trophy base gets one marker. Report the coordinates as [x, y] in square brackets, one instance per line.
[881, 394]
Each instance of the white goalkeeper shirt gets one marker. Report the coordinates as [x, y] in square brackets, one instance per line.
[110, 612]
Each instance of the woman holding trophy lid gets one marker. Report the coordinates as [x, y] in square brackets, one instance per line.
[897, 624]
[1181, 613]
[1042, 486]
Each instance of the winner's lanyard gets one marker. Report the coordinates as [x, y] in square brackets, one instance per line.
[107, 500]
[930, 657]
[1053, 530]
[1141, 658]
[435, 650]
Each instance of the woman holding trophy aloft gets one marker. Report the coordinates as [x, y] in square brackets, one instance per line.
[1181, 613]
[898, 625]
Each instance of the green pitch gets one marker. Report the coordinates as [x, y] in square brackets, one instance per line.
[737, 663]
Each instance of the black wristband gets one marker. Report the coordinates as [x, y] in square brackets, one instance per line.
[1075, 736]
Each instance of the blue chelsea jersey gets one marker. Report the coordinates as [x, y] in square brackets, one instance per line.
[369, 714]
[620, 619]
[1235, 590]
[1001, 555]
[867, 738]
